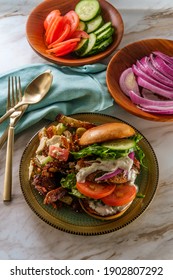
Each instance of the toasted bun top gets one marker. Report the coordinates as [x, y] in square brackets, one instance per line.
[106, 132]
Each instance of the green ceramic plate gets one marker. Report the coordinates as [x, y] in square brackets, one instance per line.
[69, 221]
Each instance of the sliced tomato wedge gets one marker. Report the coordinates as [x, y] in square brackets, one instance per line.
[66, 50]
[60, 29]
[51, 31]
[49, 26]
[80, 34]
[59, 153]
[52, 15]
[62, 35]
[94, 190]
[73, 18]
[65, 46]
[122, 194]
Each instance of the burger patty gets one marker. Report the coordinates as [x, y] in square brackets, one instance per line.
[118, 179]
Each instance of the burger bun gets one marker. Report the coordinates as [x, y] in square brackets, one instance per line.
[106, 132]
[96, 215]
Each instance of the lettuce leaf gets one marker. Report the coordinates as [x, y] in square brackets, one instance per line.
[100, 151]
[108, 153]
[69, 183]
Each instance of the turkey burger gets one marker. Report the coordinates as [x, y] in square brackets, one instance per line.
[108, 163]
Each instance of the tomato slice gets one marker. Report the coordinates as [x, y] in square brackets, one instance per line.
[62, 36]
[51, 31]
[64, 45]
[52, 15]
[121, 195]
[49, 26]
[66, 50]
[73, 18]
[80, 34]
[60, 29]
[94, 190]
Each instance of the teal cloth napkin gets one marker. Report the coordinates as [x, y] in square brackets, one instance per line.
[74, 90]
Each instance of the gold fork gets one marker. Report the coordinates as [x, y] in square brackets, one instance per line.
[4, 136]
[14, 96]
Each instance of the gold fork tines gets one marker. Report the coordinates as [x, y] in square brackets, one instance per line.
[14, 95]
[18, 89]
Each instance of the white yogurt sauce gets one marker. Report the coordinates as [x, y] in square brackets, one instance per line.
[124, 163]
[105, 210]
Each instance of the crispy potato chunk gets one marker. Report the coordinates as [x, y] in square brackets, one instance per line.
[68, 121]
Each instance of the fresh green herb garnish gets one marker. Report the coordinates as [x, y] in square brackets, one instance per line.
[70, 183]
[111, 153]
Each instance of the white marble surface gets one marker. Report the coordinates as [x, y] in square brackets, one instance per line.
[22, 234]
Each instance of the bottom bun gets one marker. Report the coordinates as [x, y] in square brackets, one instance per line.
[93, 213]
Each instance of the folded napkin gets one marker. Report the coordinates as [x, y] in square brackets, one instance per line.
[74, 90]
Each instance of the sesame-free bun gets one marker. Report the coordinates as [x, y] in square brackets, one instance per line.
[106, 132]
[93, 213]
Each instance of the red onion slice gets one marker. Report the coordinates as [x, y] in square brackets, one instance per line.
[109, 175]
[140, 73]
[146, 65]
[128, 82]
[148, 102]
[115, 172]
[164, 66]
[148, 94]
[132, 155]
[160, 91]
[160, 111]
[157, 63]
[166, 58]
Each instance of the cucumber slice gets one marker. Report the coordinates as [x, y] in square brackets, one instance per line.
[120, 144]
[103, 28]
[94, 24]
[82, 46]
[101, 47]
[60, 128]
[44, 160]
[82, 26]
[91, 44]
[87, 9]
[105, 34]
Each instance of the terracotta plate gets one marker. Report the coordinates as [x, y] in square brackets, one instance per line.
[35, 31]
[124, 59]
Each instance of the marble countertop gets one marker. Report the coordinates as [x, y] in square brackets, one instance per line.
[22, 234]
